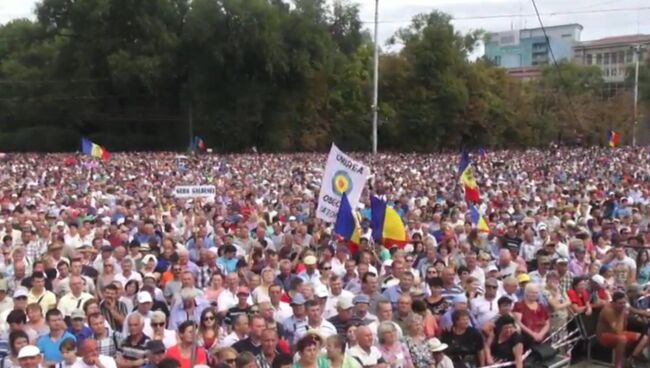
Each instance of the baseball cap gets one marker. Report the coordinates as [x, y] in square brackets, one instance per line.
[492, 267]
[292, 218]
[243, 290]
[156, 346]
[77, 314]
[298, 299]
[310, 260]
[28, 351]
[598, 279]
[344, 303]
[361, 299]
[144, 297]
[321, 291]
[387, 263]
[20, 293]
[523, 278]
[562, 260]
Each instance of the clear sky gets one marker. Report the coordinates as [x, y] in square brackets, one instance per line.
[600, 18]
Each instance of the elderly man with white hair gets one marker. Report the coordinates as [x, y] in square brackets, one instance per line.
[189, 307]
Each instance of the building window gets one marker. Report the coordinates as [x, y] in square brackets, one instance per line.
[614, 58]
[614, 72]
[497, 60]
[621, 57]
[628, 56]
[606, 72]
[589, 59]
[599, 59]
[606, 58]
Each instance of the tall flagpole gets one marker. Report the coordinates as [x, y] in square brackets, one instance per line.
[375, 97]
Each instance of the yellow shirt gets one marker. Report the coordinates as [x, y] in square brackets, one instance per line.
[47, 299]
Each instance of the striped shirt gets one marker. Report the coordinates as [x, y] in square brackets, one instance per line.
[104, 310]
[109, 344]
[134, 350]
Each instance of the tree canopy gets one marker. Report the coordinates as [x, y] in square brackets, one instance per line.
[280, 76]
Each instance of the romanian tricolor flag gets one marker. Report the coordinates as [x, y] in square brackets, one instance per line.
[613, 139]
[347, 225]
[387, 225]
[198, 144]
[466, 174]
[478, 220]
[95, 150]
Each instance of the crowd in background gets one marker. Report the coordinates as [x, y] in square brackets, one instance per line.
[103, 267]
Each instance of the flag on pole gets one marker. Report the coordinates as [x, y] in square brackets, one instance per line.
[478, 220]
[613, 139]
[466, 174]
[95, 150]
[347, 225]
[342, 175]
[386, 224]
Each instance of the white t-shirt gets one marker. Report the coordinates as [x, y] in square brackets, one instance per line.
[367, 358]
[106, 361]
[484, 310]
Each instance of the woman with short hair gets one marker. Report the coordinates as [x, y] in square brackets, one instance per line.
[532, 317]
[392, 350]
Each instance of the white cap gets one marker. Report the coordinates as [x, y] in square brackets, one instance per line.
[144, 297]
[598, 279]
[344, 303]
[20, 292]
[321, 291]
[28, 351]
[492, 267]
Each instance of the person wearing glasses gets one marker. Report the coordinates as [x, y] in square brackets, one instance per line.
[160, 333]
[209, 333]
[226, 357]
[485, 307]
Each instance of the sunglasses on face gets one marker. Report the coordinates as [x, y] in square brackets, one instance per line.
[230, 361]
[209, 318]
[326, 268]
[490, 287]
[157, 324]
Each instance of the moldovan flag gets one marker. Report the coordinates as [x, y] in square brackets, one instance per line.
[343, 175]
[478, 220]
[95, 150]
[482, 153]
[466, 174]
[347, 225]
[386, 224]
[613, 139]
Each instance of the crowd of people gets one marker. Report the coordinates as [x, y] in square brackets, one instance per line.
[103, 267]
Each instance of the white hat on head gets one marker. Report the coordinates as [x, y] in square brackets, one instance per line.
[144, 297]
[436, 346]
[28, 351]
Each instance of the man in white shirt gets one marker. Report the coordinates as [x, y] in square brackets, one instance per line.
[365, 353]
[315, 321]
[239, 332]
[127, 273]
[145, 302]
[90, 357]
[336, 292]
[485, 307]
[75, 299]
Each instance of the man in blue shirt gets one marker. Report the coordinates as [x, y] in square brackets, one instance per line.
[49, 344]
[78, 327]
[228, 261]
[393, 293]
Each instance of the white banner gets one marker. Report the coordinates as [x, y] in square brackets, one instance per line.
[195, 191]
[342, 175]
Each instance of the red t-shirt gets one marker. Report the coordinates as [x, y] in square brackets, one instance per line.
[533, 319]
[175, 352]
[577, 299]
